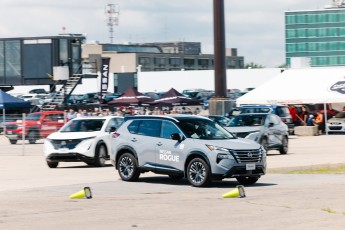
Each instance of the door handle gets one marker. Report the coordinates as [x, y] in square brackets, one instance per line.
[134, 140]
[159, 143]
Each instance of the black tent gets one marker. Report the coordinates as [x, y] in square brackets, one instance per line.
[9, 102]
[131, 97]
[174, 98]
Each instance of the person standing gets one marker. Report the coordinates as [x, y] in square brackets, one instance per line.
[319, 121]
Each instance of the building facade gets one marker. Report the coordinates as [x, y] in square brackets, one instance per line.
[318, 35]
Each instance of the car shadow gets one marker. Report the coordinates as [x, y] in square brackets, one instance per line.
[226, 183]
[82, 166]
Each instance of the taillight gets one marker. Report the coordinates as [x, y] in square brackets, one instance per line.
[114, 135]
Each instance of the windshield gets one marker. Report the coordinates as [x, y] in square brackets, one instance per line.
[84, 125]
[33, 117]
[248, 120]
[203, 129]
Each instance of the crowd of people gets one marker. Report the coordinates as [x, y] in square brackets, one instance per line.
[129, 111]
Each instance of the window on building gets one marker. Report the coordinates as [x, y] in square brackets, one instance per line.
[341, 17]
[312, 46]
[341, 45]
[12, 58]
[333, 46]
[341, 31]
[332, 32]
[144, 61]
[188, 61]
[63, 52]
[203, 62]
[301, 18]
[332, 17]
[341, 60]
[333, 60]
[322, 18]
[290, 19]
[322, 32]
[301, 33]
[312, 32]
[291, 47]
[311, 18]
[160, 61]
[323, 61]
[2, 59]
[323, 46]
[175, 61]
[290, 33]
[301, 47]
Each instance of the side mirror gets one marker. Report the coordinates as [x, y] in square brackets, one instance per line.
[270, 124]
[176, 137]
[112, 129]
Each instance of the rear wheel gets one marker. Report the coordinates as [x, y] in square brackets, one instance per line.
[127, 166]
[100, 155]
[247, 180]
[52, 164]
[285, 146]
[198, 173]
[13, 142]
[32, 137]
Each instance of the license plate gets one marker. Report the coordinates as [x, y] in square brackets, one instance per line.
[9, 132]
[250, 166]
[63, 150]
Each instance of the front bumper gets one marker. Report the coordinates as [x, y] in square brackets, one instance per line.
[68, 157]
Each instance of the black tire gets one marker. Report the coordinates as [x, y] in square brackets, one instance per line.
[198, 173]
[127, 166]
[13, 142]
[176, 177]
[32, 137]
[285, 146]
[52, 165]
[264, 143]
[247, 180]
[100, 155]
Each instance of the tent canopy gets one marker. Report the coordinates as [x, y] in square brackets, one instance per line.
[131, 97]
[174, 98]
[300, 86]
[9, 102]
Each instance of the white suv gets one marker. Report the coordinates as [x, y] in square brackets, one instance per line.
[184, 146]
[85, 139]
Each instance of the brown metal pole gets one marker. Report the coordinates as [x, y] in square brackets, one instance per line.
[219, 49]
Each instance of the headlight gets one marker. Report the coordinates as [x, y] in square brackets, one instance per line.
[216, 148]
[87, 138]
[262, 150]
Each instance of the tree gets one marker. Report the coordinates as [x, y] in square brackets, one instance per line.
[253, 65]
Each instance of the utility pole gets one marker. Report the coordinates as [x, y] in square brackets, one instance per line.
[112, 12]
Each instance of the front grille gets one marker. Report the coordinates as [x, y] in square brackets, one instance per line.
[69, 144]
[335, 127]
[246, 156]
[11, 127]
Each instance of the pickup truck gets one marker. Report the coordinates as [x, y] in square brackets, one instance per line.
[35, 126]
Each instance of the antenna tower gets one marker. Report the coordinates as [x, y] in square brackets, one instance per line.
[112, 12]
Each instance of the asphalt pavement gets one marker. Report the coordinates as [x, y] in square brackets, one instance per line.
[33, 196]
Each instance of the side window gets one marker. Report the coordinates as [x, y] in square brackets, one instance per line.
[169, 128]
[133, 127]
[150, 128]
[48, 117]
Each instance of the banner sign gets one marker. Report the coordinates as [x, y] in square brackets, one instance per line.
[104, 77]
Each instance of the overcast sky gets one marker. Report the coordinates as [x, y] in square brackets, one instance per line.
[255, 28]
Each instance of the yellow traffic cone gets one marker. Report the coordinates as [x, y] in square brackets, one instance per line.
[237, 192]
[85, 193]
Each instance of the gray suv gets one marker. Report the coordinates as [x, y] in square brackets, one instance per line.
[181, 146]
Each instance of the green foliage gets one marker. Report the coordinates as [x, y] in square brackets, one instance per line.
[253, 65]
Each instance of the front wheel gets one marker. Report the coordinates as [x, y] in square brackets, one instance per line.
[285, 146]
[127, 166]
[13, 142]
[32, 137]
[52, 164]
[247, 180]
[198, 173]
[100, 156]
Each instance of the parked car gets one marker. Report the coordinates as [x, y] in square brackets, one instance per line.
[75, 99]
[85, 139]
[188, 146]
[36, 126]
[280, 110]
[38, 91]
[264, 128]
[336, 124]
[221, 120]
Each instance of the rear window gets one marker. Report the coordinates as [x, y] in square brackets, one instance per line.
[133, 127]
[256, 110]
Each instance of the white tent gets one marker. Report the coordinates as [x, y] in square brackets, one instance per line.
[300, 86]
